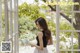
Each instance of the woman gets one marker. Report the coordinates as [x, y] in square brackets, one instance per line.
[44, 36]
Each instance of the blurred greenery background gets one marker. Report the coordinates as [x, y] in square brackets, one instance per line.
[28, 13]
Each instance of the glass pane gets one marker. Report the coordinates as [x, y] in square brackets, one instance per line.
[65, 40]
[65, 24]
[75, 41]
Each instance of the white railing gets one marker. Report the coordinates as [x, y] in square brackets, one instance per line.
[0, 17]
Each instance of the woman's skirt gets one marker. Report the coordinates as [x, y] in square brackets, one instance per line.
[41, 51]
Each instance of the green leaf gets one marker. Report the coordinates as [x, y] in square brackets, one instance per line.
[36, 0]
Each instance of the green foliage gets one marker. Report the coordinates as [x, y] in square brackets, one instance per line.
[36, 0]
[44, 0]
[30, 10]
[25, 24]
[51, 26]
[65, 26]
[29, 36]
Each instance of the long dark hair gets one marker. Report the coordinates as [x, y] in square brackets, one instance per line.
[44, 26]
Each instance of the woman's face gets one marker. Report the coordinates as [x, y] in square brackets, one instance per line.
[37, 24]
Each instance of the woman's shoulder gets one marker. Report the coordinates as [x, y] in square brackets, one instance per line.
[40, 34]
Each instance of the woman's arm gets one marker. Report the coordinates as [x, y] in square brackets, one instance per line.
[40, 35]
